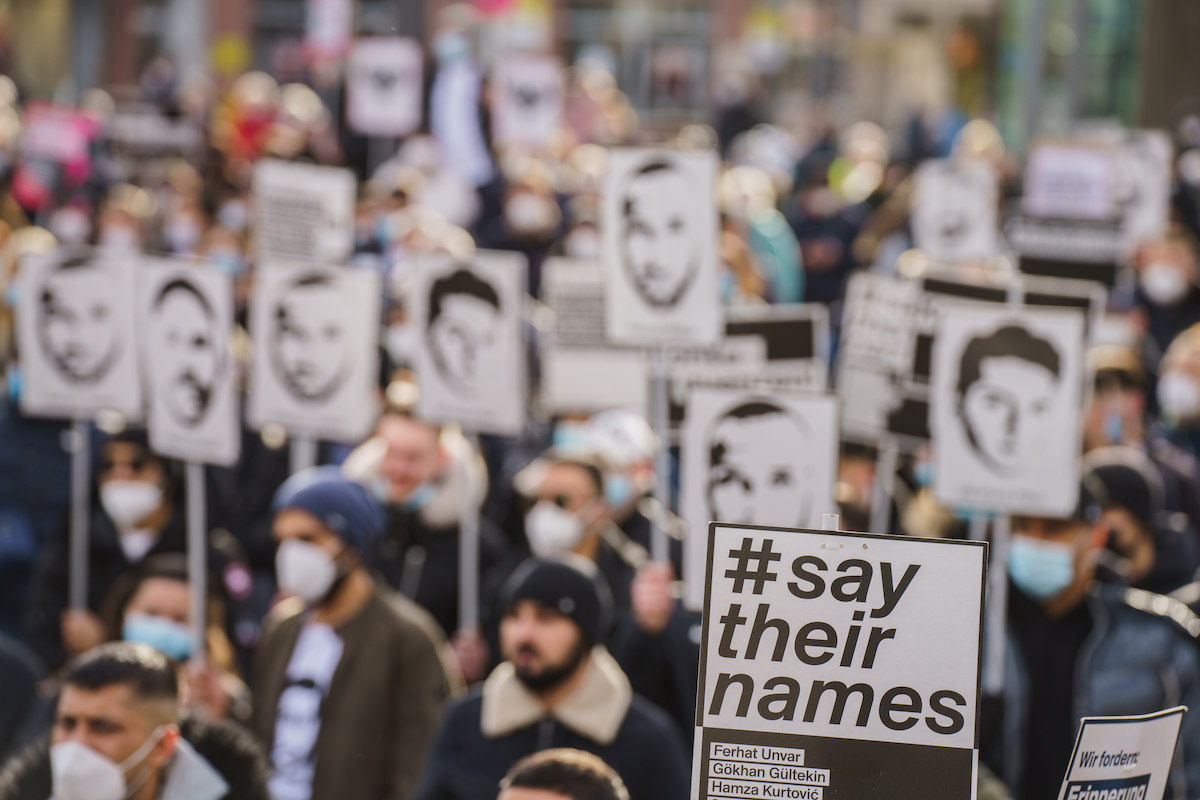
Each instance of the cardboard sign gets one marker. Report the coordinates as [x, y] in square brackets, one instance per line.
[186, 314]
[838, 666]
[1076, 250]
[302, 212]
[77, 335]
[470, 362]
[384, 86]
[1006, 398]
[527, 100]
[316, 365]
[659, 233]
[1123, 758]
[1144, 186]
[954, 210]
[754, 459]
[1071, 182]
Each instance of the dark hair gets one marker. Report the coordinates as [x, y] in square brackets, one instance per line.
[576, 774]
[461, 281]
[73, 261]
[143, 669]
[649, 168]
[748, 410]
[594, 472]
[182, 285]
[1011, 341]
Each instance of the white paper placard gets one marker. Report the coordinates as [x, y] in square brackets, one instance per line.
[955, 210]
[77, 335]
[1144, 188]
[527, 100]
[302, 212]
[470, 356]
[1006, 398]
[661, 258]
[316, 364]
[1123, 757]
[1071, 182]
[384, 86]
[186, 316]
[753, 459]
[838, 665]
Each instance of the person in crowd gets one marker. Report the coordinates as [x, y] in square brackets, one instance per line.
[151, 605]
[1168, 273]
[119, 734]
[557, 687]
[1079, 648]
[349, 682]
[136, 512]
[20, 701]
[562, 773]
[1178, 391]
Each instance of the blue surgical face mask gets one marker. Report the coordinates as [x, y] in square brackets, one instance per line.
[570, 436]
[1114, 426]
[618, 488]
[451, 46]
[13, 383]
[923, 473]
[1039, 568]
[420, 497]
[231, 264]
[166, 636]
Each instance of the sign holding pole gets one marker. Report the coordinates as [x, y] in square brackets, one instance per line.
[838, 666]
[1123, 757]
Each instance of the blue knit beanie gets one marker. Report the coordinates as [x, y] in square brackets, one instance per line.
[342, 506]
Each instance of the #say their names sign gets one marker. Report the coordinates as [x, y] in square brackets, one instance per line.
[302, 212]
[384, 86]
[660, 247]
[754, 459]
[470, 362]
[316, 364]
[838, 666]
[1123, 758]
[186, 317]
[1006, 393]
[76, 330]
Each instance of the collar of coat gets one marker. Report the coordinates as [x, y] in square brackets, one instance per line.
[595, 709]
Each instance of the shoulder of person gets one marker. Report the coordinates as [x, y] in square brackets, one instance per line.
[232, 751]
[27, 774]
[1168, 609]
[647, 719]
[409, 616]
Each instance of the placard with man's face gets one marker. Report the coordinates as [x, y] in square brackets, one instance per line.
[954, 216]
[470, 362]
[316, 333]
[754, 459]
[527, 100]
[384, 86]
[1007, 392]
[76, 332]
[186, 313]
[660, 247]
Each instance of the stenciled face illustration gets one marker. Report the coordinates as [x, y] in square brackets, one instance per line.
[658, 243]
[77, 322]
[949, 207]
[464, 317]
[1007, 393]
[189, 351]
[311, 349]
[760, 466]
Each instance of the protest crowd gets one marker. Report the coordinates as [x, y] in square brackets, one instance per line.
[342, 453]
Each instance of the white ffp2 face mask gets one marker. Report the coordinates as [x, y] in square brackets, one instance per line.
[305, 570]
[127, 503]
[552, 530]
[1179, 397]
[1164, 284]
[80, 773]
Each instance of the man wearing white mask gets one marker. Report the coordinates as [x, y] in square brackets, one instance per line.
[349, 682]
[118, 735]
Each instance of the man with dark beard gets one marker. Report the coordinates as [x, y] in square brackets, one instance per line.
[555, 688]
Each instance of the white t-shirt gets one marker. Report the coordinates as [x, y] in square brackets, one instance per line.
[298, 717]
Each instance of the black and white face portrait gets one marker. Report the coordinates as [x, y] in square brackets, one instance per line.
[383, 86]
[1006, 393]
[527, 107]
[954, 212]
[464, 318]
[659, 244]
[311, 346]
[190, 358]
[77, 325]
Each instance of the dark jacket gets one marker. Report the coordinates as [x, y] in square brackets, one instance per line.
[664, 668]
[483, 734]
[227, 748]
[386, 697]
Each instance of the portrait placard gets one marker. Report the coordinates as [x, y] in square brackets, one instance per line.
[954, 216]
[527, 100]
[384, 86]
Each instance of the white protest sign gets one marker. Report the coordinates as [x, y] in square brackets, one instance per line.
[838, 665]
[754, 459]
[186, 316]
[1070, 182]
[77, 335]
[659, 226]
[470, 359]
[384, 86]
[302, 211]
[1144, 187]
[1123, 758]
[527, 100]
[316, 365]
[1007, 390]
[955, 210]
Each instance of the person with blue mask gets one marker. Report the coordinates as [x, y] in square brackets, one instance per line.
[1077, 647]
